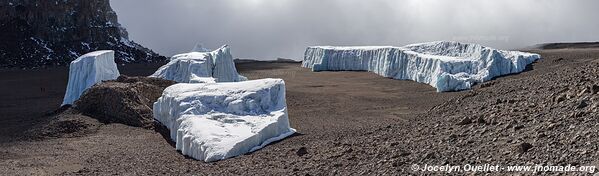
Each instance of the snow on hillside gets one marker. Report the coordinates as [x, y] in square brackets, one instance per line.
[447, 66]
[201, 67]
[216, 121]
[88, 70]
[48, 33]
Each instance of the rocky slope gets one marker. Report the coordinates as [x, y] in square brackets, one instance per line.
[127, 100]
[546, 117]
[54, 32]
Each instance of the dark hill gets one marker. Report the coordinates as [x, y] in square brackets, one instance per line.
[568, 45]
[36, 33]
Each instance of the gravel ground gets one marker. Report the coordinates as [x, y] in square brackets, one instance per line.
[547, 116]
[349, 123]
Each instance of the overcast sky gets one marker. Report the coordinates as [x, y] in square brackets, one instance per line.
[268, 29]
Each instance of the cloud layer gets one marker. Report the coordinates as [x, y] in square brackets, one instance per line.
[268, 29]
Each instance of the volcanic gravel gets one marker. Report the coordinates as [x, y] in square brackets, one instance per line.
[349, 123]
[127, 100]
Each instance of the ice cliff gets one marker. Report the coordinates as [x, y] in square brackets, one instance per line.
[88, 70]
[447, 66]
[201, 67]
[215, 121]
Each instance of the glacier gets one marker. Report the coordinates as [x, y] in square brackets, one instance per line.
[215, 121]
[445, 65]
[201, 67]
[88, 70]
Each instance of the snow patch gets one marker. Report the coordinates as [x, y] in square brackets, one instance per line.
[127, 42]
[447, 66]
[43, 44]
[201, 67]
[86, 45]
[216, 121]
[88, 70]
[73, 53]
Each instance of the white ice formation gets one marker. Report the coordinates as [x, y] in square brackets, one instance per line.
[201, 67]
[216, 121]
[88, 70]
[447, 66]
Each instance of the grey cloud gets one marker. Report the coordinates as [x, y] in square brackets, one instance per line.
[267, 29]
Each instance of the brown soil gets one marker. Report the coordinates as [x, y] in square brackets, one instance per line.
[127, 100]
[349, 123]
[64, 124]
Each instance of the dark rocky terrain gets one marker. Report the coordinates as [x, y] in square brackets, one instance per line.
[547, 116]
[46, 33]
[567, 45]
[349, 123]
[278, 60]
[127, 100]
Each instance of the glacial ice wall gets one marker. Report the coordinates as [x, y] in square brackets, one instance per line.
[447, 66]
[216, 121]
[201, 67]
[88, 70]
